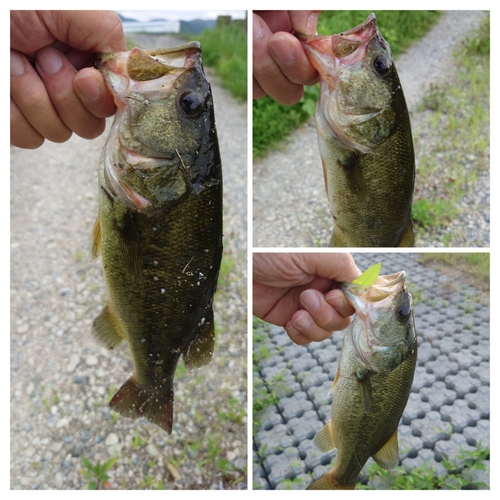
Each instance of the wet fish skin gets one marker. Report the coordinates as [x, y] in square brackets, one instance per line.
[372, 383]
[159, 228]
[364, 137]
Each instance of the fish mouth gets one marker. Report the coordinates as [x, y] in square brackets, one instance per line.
[378, 296]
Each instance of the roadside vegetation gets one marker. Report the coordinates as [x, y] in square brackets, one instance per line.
[452, 142]
[225, 49]
[272, 121]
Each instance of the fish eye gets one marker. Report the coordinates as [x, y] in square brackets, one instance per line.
[381, 65]
[191, 103]
[403, 312]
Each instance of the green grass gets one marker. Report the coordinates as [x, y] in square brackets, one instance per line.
[457, 113]
[225, 49]
[476, 266]
[273, 122]
[459, 474]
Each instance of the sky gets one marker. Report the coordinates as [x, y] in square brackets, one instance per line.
[174, 15]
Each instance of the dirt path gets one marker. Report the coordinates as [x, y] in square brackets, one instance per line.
[290, 206]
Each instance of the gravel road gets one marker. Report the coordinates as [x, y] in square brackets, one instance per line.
[61, 379]
[289, 203]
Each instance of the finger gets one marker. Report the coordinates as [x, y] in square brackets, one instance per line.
[322, 313]
[57, 74]
[22, 134]
[30, 95]
[277, 20]
[339, 267]
[303, 323]
[89, 85]
[258, 93]
[295, 335]
[267, 71]
[288, 52]
[338, 301]
[304, 21]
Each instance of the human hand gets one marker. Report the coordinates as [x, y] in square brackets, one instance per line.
[280, 65]
[300, 292]
[52, 92]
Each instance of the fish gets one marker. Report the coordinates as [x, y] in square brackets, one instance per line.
[159, 223]
[364, 137]
[372, 383]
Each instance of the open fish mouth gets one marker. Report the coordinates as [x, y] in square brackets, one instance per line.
[378, 296]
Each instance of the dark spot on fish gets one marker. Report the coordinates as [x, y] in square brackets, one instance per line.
[110, 197]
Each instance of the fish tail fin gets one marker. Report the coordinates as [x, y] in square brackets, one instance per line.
[329, 482]
[134, 401]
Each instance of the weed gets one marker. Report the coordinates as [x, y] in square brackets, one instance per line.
[459, 474]
[97, 474]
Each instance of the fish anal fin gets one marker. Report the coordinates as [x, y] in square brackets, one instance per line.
[134, 401]
[388, 456]
[408, 239]
[200, 350]
[106, 329]
[324, 440]
[95, 245]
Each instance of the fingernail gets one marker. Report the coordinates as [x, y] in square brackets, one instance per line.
[17, 66]
[283, 53]
[49, 60]
[258, 31]
[312, 22]
[303, 322]
[87, 86]
[310, 300]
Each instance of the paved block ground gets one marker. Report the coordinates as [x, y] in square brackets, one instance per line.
[449, 406]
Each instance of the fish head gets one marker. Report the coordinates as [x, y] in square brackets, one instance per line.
[358, 80]
[382, 334]
[163, 140]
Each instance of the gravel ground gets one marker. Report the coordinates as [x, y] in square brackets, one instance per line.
[289, 203]
[449, 405]
[61, 379]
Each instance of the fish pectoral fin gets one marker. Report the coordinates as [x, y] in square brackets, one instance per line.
[200, 351]
[95, 245]
[130, 245]
[335, 380]
[324, 439]
[134, 401]
[106, 329]
[408, 239]
[365, 391]
[388, 456]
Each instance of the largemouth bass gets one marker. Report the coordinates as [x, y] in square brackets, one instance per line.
[372, 383]
[159, 228]
[364, 138]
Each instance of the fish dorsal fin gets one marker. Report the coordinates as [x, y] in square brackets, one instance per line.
[106, 329]
[388, 456]
[408, 239]
[365, 390]
[324, 440]
[95, 245]
[201, 349]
